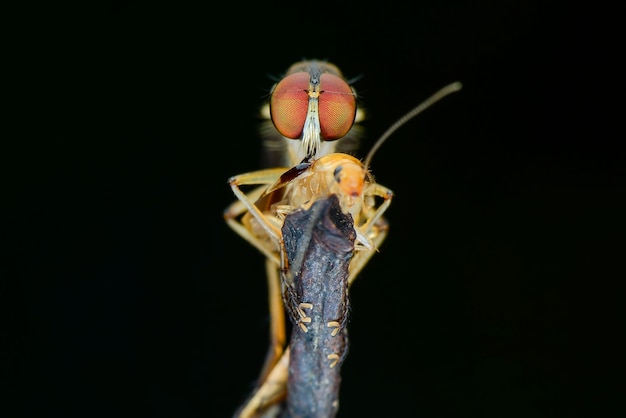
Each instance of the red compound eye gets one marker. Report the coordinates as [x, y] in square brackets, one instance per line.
[337, 107]
[289, 104]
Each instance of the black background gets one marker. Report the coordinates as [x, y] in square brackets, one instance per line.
[125, 294]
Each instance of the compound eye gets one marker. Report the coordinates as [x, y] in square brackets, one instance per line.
[289, 104]
[337, 107]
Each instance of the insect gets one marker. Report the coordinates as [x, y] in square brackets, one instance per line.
[310, 108]
[282, 193]
[315, 172]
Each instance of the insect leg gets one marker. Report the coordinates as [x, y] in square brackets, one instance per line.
[375, 228]
[277, 314]
[268, 244]
[270, 394]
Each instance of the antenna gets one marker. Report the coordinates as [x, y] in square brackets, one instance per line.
[443, 92]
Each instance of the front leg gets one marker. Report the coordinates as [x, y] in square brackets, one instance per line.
[374, 229]
[265, 238]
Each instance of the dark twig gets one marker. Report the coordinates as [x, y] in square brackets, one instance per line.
[319, 244]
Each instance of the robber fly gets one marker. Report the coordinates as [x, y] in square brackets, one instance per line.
[309, 128]
[309, 109]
